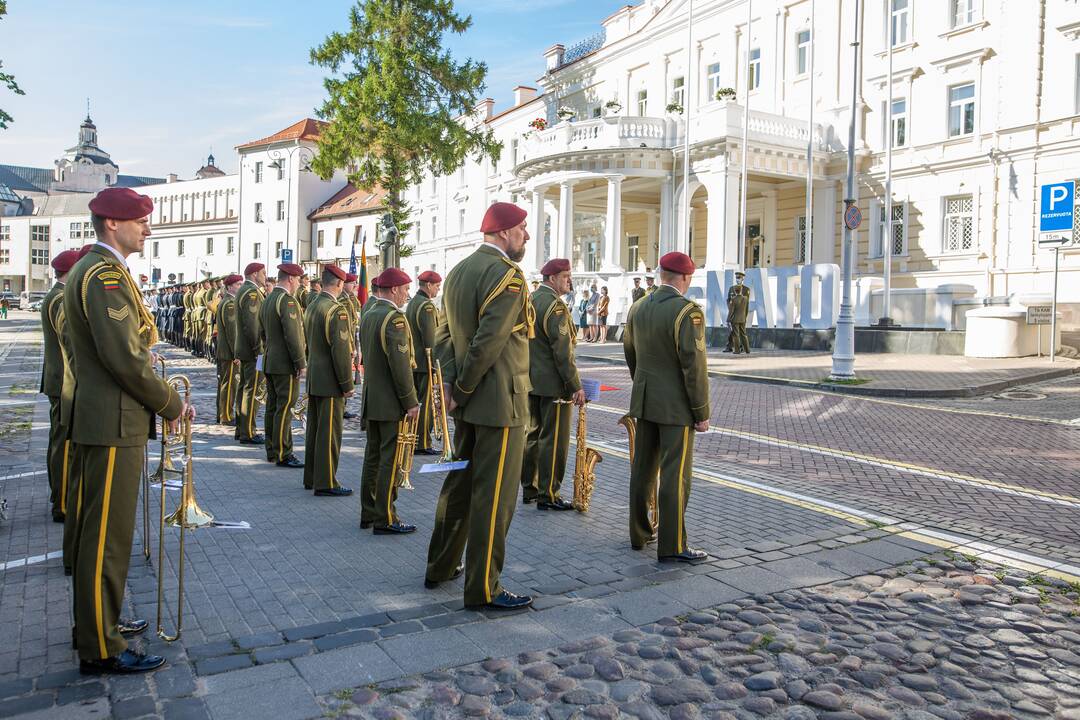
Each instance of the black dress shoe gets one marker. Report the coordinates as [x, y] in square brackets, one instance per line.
[253, 440]
[365, 524]
[58, 517]
[559, 504]
[726, 350]
[528, 501]
[505, 600]
[689, 555]
[131, 627]
[67, 572]
[395, 528]
[430, 584]
[652, 539]
[126, 662]
[334, 492]
[349, 415]
[292, 461]
[228, 423]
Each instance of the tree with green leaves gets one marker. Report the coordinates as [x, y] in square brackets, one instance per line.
[397, 103]
[7, 80]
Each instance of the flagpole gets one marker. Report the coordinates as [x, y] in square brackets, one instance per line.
[745, 124]
[688, 87]
[809, 222]
[887, 241]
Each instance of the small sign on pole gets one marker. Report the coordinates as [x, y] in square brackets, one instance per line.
[286, 255]
[852, 217]
[1056, 208]
[1039, 314]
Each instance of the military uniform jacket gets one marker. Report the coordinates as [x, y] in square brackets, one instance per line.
[226, 323]
[664, 344]
[388, 363]
[329, 344]
[302, 297]
[738, 303]
[484, 343]
[247, 342]
[423, 319]
[636, 294]
[52, 371]
[552, 370]
[282, 326]
[116, 387]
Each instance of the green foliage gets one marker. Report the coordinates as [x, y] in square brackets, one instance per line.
[7, 80]
[395, 99]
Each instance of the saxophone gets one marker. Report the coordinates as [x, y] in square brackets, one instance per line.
[631, 433]
[585, 460]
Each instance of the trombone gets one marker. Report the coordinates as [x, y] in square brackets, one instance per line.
[438, 406]
[187, 515]
[165, 463]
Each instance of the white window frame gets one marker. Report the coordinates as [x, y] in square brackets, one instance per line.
[434, 227]
[800, 248]
[461, 221]
[959, 105]
[180, 247]
[963, 13]
[278, 247]
[802, 52]
[75, 231]
[899, 141]
[633, 252]
[678, 90]
[754, 80]
[642, 102]
[712, 79]
[337, 237]
[258, 171]
[258, 212]
[280, 209]
[230, 245]
[209, 246]
[900, 220]
[256, 249]
[39, 256]
[320, 238]
[280, 170]
[958, 217]
[893, 16]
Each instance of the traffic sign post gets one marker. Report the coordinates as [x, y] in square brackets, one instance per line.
[1056, 207]
[1039, 315]
[286, 255]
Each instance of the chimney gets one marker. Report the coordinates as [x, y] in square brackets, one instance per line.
[554, 56]
[485, 107]
[171, 178]
[523, 94]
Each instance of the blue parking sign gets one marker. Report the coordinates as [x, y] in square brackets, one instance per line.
[1057, 206]
[286, 255]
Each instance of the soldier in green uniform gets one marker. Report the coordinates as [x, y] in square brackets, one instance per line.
[302, 291]
[329, 383]
[423, 319]
[58, 457]
[484, 351]
[650, 285]
[282, 326]
[198, 324]
[638, 292]
[738, 304]
[351, 303]
[189, 315]
[116, 391]
[554, 378]
[247, 347]
[664, 344]
[228, 368]
[389, 396]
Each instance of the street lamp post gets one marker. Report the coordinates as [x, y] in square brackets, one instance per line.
[281, 155]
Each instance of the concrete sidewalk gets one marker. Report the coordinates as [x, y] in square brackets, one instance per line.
[880, 374]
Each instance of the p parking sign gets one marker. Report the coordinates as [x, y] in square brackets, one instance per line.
[1056, 207]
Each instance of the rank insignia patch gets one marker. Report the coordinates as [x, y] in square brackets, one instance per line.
[696, 319]
[119, 315]
[403, 349]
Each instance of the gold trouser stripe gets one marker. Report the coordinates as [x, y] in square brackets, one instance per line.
[63, 479]
[101, 553]
[330, 445]
[281, 422]
[554, 453]
[494, 513]
[679, 509]
[251, 408]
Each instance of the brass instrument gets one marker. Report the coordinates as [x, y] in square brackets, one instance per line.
[299, 410]
[187, 515]
[165, 463]
[438, 407]
[403, 451]
[585, 460]
[631, 432]
[260, 388]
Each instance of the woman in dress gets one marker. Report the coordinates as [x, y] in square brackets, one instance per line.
[583, 314]
[602, 313]
[594, 301]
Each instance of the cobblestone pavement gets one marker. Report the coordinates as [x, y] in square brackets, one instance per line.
[303, 604]
[928, 640]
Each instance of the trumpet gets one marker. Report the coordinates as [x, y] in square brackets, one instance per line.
[631, 432]
[585, 459]
[403, 451]
[187, 515]
[438, 406]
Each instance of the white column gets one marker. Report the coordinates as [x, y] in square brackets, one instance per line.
[566, 220]
[536, 229]
[667, 217]
[613, 225]
[768, 228]
[723, 236]
[647, 254]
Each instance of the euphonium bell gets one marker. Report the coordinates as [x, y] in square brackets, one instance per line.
[631, 432]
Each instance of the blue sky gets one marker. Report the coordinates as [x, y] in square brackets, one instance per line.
[168, 80]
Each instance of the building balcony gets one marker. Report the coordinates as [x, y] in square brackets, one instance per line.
[607, 133]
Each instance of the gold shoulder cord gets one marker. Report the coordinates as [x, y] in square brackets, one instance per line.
[690, 305]
[147, 328]
[334, 307]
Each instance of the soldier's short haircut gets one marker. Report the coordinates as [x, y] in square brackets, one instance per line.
[329, 278]
[99, 224]
[282, 275]
[666, 276]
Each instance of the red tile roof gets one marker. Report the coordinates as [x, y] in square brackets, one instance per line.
[306, 129]
[350, 200]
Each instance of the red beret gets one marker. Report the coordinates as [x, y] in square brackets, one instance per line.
[554, 266]
[392, 278]
[351, 277]
[64, 261]
[502, 216]
[234, 278]
[85, 249]
[253, 268]
[291, 269]
[121, 204]
[335, 271]
[678, 262]
[429, 276]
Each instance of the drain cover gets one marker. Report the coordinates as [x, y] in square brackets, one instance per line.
[1020, 395]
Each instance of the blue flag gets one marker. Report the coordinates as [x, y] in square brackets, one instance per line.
[352, 258]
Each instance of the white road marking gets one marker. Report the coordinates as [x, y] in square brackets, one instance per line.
[32, 560]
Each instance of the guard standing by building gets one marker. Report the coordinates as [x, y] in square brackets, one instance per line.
[303, 292]
[58, 456]
[116, 392]
[282, 326]
[228, 367]
[554, 378]
[484, 351]
[389, 396]
[247, 347]
[189, 316]
[664, 345]
[329, 383]
[738, 305]
[637, 292]
[423, 319]
[351, 303]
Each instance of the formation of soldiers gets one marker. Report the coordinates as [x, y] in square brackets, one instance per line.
[508, 370]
